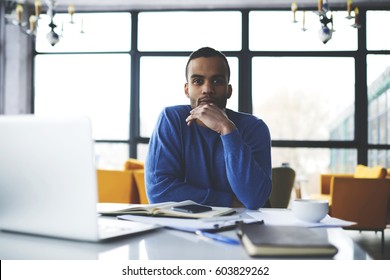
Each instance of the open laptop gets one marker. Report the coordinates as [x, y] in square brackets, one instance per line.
[48, 180]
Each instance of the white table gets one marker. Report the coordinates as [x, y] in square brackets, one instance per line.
[159, 244]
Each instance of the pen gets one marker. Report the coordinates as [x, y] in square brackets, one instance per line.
[222, 218]
[218, 237]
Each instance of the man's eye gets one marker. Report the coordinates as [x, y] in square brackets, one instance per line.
[218, 81]
[197, 81]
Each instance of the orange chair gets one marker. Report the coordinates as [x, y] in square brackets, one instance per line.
[362, 197]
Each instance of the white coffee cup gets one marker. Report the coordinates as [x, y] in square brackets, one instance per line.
[310, 210]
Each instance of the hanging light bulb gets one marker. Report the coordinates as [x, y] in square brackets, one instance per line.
[294, 8]
[356, 24]
[38, 7]
[19, 13]
[325, 34]
[304, 21]
[71, 11]
[52, 36]
[319, 6]
[33, 24]
[349, 9]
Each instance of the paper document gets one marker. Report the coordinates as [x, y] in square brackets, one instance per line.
[285, 217]
[189, 224]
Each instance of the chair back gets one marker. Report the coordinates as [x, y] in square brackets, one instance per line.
[364, 201]
[116, 186]
[139, 178]
[283, 179]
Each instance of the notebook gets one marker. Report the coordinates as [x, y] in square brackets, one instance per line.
[261, 240]
[48, 180]
[163, 209]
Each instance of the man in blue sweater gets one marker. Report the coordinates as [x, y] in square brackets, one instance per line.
[205, 152]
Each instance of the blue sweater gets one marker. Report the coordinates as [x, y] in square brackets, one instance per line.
[195, 162]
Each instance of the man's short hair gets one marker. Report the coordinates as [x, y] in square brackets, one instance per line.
[208, 52]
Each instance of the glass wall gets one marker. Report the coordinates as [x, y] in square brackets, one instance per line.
[304, 98]
[308, 163]
[378, 83]
[275, 31]
[188, 31]
[87, 32]
[88, 74]
[305, 90]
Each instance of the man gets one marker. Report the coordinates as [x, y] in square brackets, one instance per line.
[205, 152]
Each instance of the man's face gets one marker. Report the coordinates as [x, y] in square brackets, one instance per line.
[207, 82]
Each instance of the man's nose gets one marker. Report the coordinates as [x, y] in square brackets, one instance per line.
[207, 88]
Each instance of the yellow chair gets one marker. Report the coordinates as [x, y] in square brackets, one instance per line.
[140, 183]
[116, 186]
[138, 176]
[133, 164]
[119, 186]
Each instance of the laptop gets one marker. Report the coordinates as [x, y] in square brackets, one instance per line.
[48, 180]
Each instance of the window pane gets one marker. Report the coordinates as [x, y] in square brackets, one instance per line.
[188, 31]
[310, 163]
[275, 31]
[377, 67]
[142, 150]
[378, 72]
[377, 23]
[111, 156]
[94, 85]
[379, 157]
[90, 32]
[162, 84]
[305, 98]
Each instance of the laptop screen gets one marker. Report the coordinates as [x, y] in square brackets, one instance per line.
[47, 176]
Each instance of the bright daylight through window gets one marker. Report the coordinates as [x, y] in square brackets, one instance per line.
[303, 89]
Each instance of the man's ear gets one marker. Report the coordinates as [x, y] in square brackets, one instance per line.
[186, 90]
[230, 91]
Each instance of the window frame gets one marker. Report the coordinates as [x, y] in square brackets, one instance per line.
[245, 56]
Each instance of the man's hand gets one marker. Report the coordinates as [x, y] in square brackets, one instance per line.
[212, 117]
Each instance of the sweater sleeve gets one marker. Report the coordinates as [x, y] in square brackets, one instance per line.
[248, 165]
[165, 168]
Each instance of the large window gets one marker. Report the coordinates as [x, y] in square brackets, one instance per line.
[304, 98]
[89, 32]
[124, 68]
[274, 31]
[378, 84]
[88, 74]
[187, 31]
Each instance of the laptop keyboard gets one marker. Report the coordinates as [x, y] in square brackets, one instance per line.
[112, 228]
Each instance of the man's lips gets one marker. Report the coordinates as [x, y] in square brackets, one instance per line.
[207, 101]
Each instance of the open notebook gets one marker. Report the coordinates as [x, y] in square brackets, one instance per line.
[164, 209]
[48, 180]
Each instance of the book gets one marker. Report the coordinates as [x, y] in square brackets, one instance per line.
[261, 240]
[163, 209]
